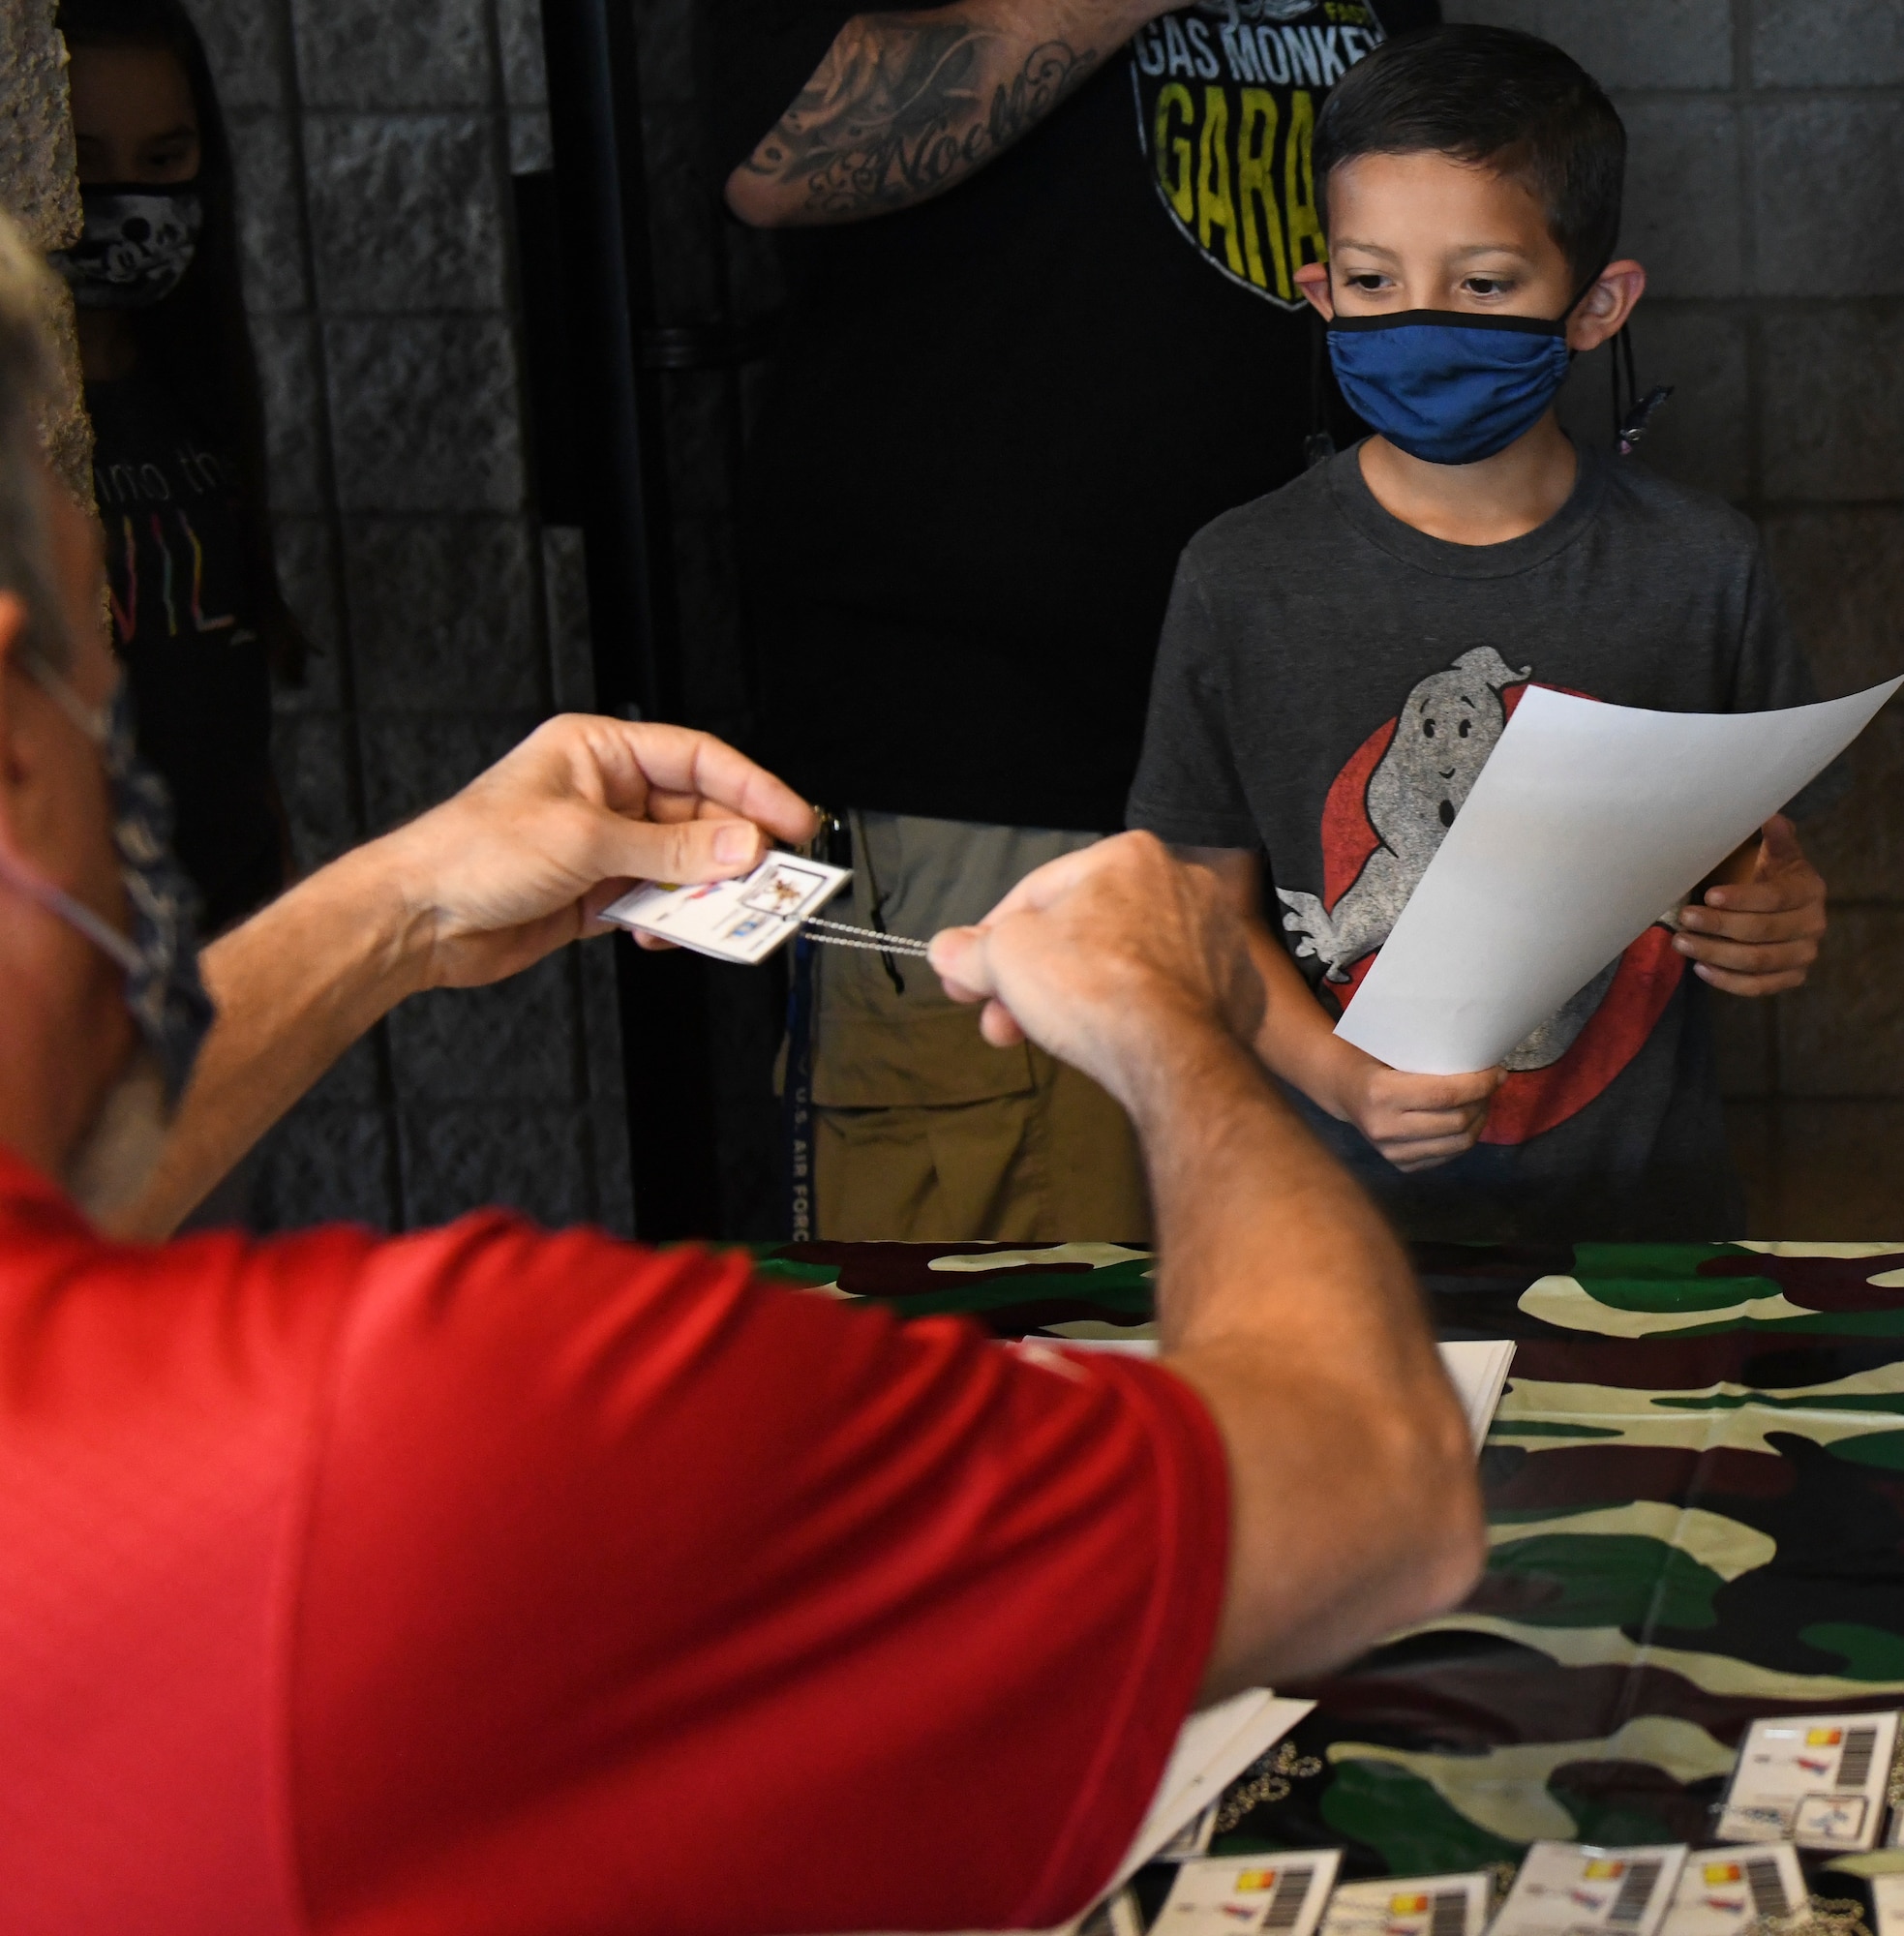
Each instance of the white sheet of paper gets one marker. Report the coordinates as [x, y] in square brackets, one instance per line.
[1243, 1894]
[733, 921]
[1587, 823]
[1726, 1892]
[1564, 1889]
[1213, 1748]
[1191, 1840]
[1444, 1905]
[1476, 1368]
[1818, 1780]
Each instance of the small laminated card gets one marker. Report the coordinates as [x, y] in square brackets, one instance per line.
[1567, 1889]
[1447, 1905]
[1283, 1894]
[1728, 1892]
[1818, 1780]
[733, 921]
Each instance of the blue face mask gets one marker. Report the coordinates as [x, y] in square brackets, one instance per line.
[161, 955]
[1445, 387]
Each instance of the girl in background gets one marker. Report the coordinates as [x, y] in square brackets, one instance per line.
[171, 386]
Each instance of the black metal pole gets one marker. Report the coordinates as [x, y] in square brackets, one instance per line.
[601, 192]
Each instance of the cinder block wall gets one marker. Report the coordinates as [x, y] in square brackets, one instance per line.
[374, 145]
[1766, 199]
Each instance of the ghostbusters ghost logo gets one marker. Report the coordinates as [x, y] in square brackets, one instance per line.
[1384, 820]
[1440, 742]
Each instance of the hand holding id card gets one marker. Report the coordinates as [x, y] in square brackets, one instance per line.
[742, 920]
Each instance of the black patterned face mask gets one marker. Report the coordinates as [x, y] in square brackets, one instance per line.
[161, 954]
[136, 246]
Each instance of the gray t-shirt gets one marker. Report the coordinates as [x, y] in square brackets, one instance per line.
[1329, 683]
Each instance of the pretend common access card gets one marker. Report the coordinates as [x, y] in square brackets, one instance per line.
[1818, 1780]
[740, 921]
[1731, 1891]
[1565, 1889]
[1444, 1905]
[1282, 1895]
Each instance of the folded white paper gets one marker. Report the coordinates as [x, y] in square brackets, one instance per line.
[1213, 1748]
[1477, 1369]
[1586, 825]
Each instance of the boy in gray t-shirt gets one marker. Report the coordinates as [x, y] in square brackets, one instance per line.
[1340, 656]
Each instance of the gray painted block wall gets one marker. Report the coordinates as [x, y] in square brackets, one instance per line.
[1767, 197]
[373, 149]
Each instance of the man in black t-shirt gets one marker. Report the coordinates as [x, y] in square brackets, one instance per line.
[1044, 326]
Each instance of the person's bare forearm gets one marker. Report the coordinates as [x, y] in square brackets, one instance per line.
[1284, 1297]
[295, 985]
[906, 104]
[1296, 1040]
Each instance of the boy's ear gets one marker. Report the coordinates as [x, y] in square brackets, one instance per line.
[1602, 312]
[1312, 280]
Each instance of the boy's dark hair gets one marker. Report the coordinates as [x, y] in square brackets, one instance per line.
[197, 338]
[1496, 98]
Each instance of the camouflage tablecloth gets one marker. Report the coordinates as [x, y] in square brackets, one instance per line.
[1695, 1486]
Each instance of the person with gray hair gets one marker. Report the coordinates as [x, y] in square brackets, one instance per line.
[501, 1581]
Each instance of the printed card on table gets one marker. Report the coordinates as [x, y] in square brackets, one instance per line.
[733, 921]
[1888, 1904]
[1565, 1889]
[1283, 1894]
[1445, 1905]
[1818, 1780]
[1728, 1892]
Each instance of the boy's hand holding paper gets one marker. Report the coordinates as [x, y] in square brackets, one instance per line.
[1757, 930]
[1418, 1122]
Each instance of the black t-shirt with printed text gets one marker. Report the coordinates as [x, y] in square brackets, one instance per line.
[1329, 683]
[995, 418]
[200, 685]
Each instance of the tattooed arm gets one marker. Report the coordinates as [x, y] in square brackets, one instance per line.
[904, 106]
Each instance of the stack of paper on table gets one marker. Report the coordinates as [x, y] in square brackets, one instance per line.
[1476, 1368]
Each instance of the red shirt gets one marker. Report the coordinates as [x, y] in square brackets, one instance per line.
[492, 1581]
